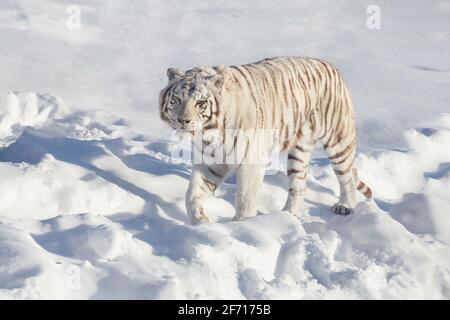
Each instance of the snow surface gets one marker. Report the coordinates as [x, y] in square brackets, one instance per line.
[92, 205]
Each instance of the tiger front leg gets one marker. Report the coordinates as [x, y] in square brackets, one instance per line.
[204, 181]
[249, 180]
[297, 171]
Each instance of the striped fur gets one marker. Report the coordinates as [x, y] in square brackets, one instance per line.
[305, 99]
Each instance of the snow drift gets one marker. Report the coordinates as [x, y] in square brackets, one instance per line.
[83, 215]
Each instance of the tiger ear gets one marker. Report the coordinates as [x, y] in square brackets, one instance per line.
[173, 73]
[219, 78]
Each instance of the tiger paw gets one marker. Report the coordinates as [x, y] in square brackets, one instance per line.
[241, 216]
[238, 218]
[341, 209]
[199, 218]
[294, 211]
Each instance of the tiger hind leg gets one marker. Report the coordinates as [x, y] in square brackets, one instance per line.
[341, 156]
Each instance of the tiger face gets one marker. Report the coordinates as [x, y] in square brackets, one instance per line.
[190, 101]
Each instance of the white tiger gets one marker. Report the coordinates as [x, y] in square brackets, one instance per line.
[305, 99]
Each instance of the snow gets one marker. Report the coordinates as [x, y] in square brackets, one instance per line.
[92, 205]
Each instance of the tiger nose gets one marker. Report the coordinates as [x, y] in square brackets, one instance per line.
[185, 120]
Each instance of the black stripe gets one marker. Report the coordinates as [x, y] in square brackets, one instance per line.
[292, 157]
[347, 149]
[217, 174]
[342, 172]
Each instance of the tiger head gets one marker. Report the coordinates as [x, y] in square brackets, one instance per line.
[190, 101]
